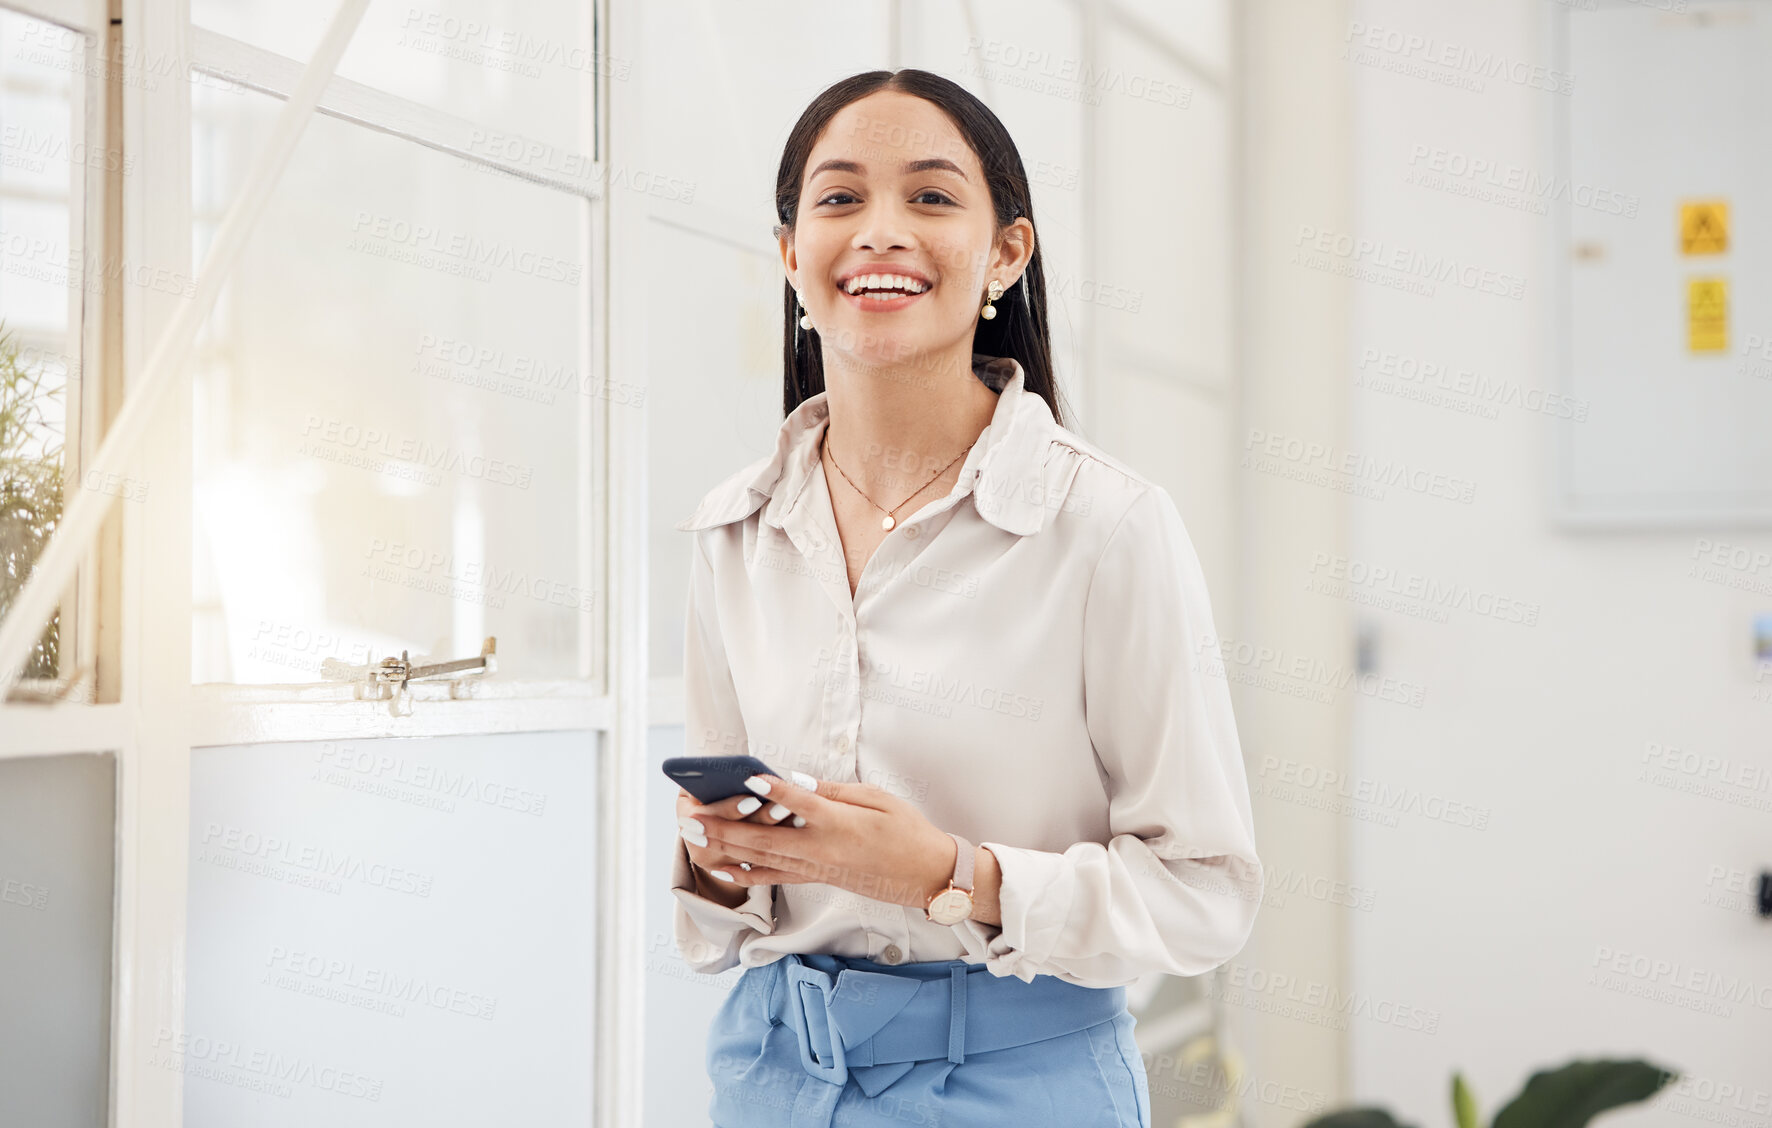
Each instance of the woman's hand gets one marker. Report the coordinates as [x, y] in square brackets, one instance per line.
[692, 819]
[857, 837]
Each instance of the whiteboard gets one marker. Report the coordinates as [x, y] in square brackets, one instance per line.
[1670, 103]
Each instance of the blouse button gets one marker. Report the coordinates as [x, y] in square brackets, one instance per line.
[843, 743]
[910, 532]
[892, 954]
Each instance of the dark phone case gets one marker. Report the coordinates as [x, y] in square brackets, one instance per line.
[713, 778]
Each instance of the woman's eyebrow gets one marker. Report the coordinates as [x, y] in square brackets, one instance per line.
[924, 165]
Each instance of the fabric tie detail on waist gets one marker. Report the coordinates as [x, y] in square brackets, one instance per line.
[874, 1026]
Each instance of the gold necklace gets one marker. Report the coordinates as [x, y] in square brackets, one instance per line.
[889, 521]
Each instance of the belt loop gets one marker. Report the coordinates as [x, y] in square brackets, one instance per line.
[957, 1013]
[772, 992]
[829, 1064]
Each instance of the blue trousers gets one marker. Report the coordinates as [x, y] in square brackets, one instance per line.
[815, 1040]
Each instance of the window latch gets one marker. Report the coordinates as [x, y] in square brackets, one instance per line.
[398, 671]
[388, 679]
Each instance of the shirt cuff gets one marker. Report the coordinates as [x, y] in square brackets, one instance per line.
[1034, 902]
[706, 932]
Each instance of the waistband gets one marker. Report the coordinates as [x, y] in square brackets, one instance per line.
[856, 1015]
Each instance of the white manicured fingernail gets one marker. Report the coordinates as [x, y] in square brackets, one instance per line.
[694, 839]
[721, 874]
[799, 820]
[779, 812]
[693, 825]
[758, 784]
[748, 804]
[801, 779]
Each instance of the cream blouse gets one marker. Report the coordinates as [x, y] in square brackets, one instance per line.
[1028, 660]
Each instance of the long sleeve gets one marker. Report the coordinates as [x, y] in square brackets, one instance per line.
[707, 933]
[1177, 886]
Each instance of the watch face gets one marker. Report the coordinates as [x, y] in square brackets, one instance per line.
[951, 906]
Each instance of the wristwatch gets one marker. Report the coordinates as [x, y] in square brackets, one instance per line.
[954, 904]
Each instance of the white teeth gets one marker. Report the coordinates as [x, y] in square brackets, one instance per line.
[883, 282]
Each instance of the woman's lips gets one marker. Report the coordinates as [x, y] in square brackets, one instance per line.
[880, 305]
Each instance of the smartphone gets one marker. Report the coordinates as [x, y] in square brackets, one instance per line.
[713, 778]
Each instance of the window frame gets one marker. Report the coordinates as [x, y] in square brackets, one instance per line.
[155, 716]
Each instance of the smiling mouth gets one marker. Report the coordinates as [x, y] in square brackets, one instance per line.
[883, 287]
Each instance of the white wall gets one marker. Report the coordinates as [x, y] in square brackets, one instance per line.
[1498, 931]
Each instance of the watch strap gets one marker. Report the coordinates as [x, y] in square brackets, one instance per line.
[962, 863]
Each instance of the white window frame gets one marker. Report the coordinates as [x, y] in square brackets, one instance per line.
[159, 716]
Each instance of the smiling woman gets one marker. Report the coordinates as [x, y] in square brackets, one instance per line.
[1003, 659]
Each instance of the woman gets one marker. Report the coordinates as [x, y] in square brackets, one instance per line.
[951, 621]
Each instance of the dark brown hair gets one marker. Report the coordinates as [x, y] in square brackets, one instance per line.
[1020, 329]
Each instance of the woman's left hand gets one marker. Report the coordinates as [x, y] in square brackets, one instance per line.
[857, 837]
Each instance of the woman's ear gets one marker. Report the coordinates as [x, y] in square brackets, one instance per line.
[1016, 248]
[790, 263]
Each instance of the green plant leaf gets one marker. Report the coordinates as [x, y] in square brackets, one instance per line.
[1464, 1103]
[1356, 1118]
[1572, 1095]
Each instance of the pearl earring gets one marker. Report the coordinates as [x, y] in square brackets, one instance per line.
[805, 318]
[994, 292]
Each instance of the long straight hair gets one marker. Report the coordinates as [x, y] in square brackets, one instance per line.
[1020, 328]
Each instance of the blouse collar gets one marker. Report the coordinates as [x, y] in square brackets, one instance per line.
[1004, 471]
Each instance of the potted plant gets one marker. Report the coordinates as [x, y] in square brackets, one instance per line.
[1566, 1097]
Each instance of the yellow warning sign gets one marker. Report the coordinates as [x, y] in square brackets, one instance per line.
[1707, 315]
[1704, 227]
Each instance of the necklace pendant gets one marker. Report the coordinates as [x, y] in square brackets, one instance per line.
[888, 523]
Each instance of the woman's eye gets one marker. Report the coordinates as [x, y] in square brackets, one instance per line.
[930, 195]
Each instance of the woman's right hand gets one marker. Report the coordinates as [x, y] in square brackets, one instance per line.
[709, 858]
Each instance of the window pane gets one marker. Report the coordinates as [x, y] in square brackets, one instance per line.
[57, 820]
[392, 932]
[525, 68]
[393, 411]
[40, 283]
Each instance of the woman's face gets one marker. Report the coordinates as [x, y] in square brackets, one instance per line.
[892, 188]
